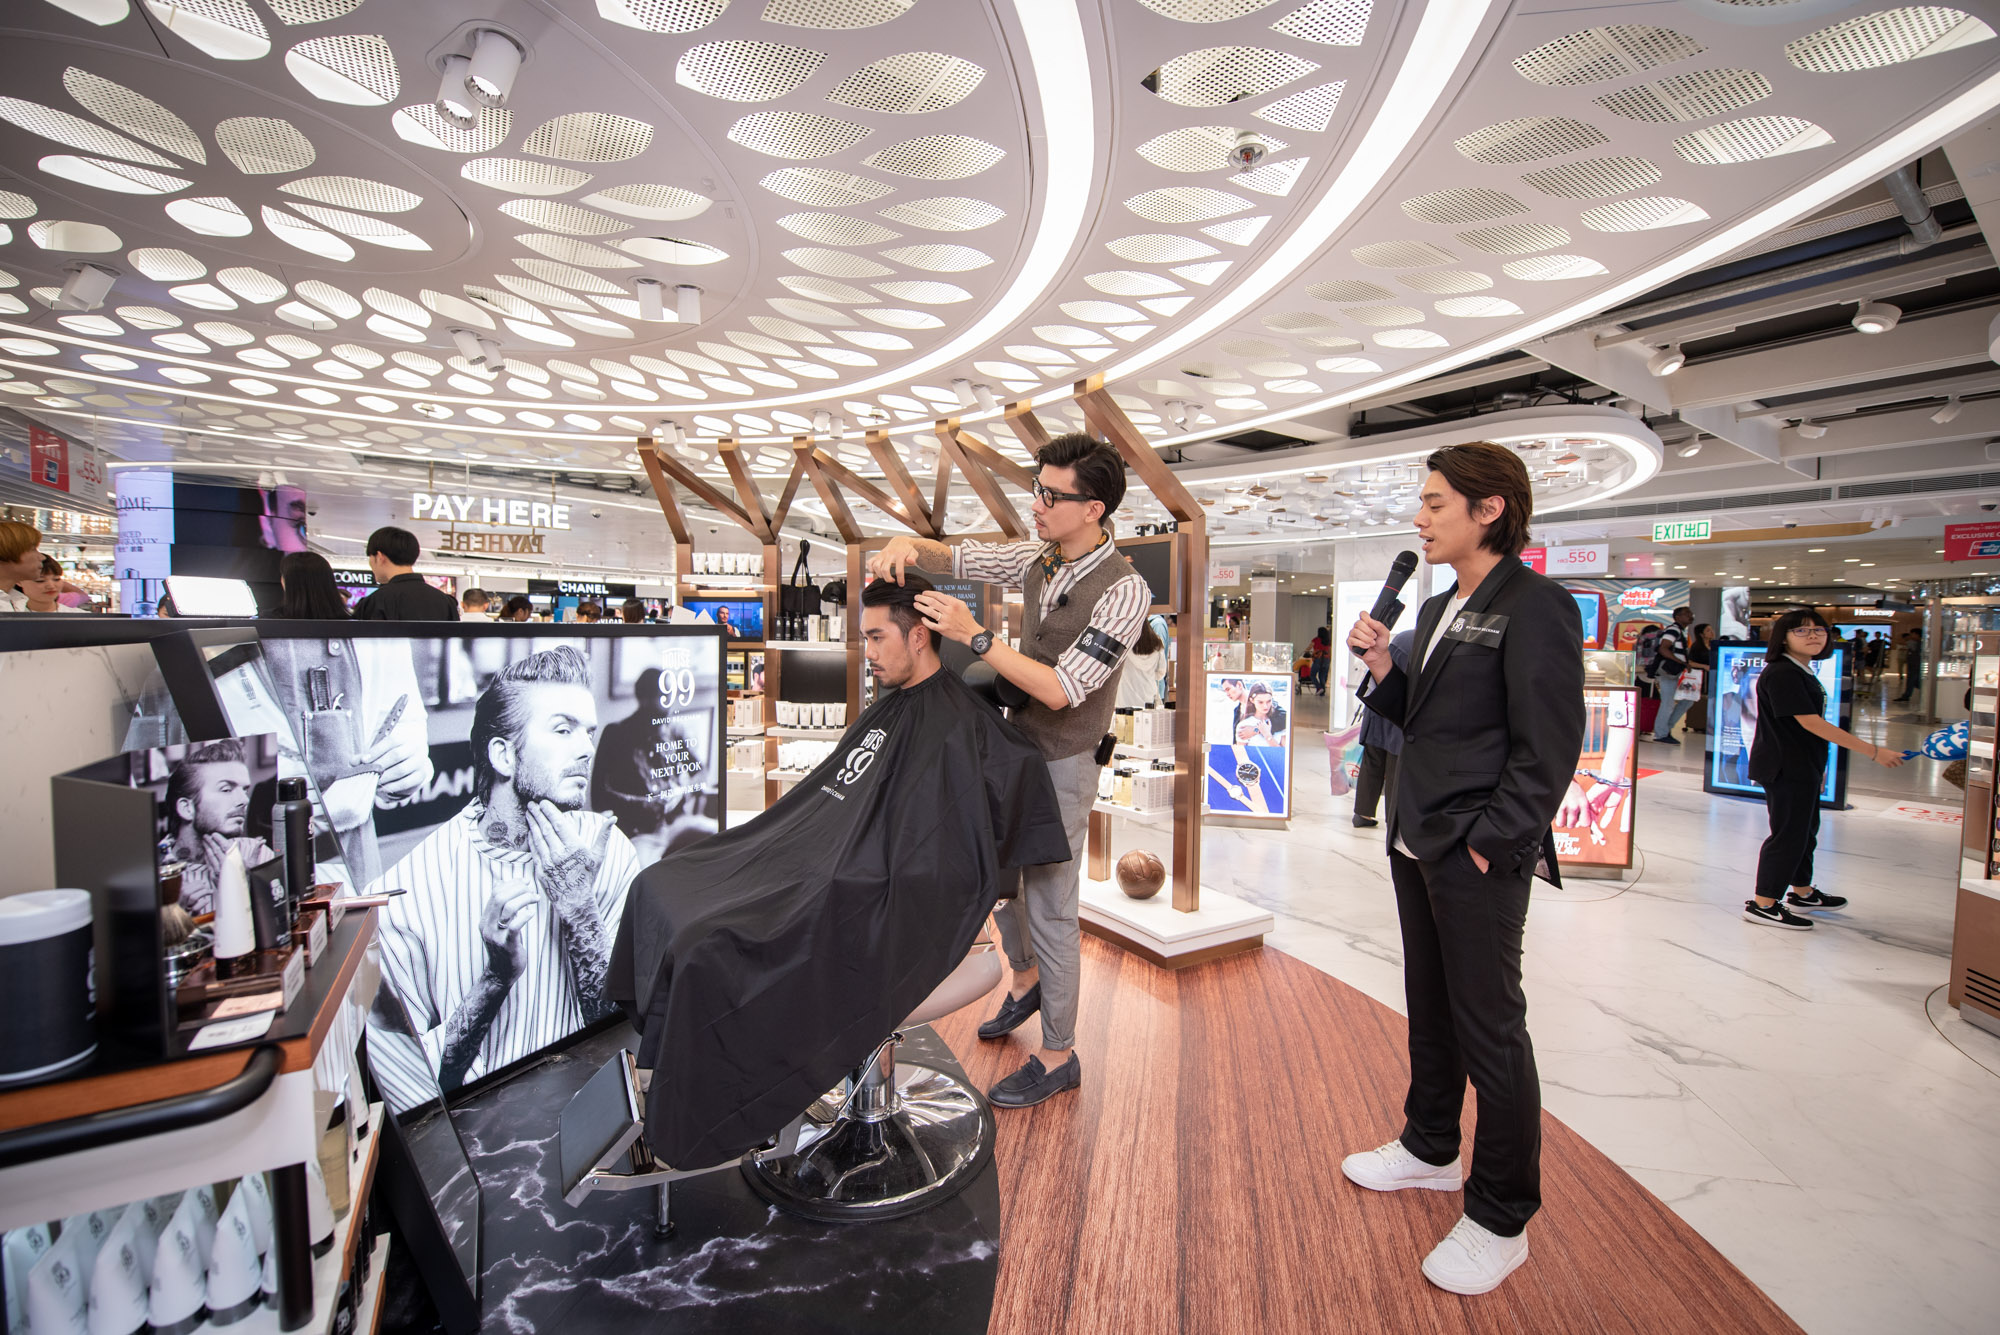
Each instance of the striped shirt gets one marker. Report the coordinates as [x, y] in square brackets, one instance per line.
[433, 956]
[1118, 615]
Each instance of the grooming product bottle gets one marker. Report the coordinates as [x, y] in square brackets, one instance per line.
[235, 934]
[294, 825]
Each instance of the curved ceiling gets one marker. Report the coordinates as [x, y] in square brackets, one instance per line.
[878, 198]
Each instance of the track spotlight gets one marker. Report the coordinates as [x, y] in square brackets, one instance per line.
[85, 288]
[1667, 360]
[1177, 413]
[454, 104]
[668, 432]
[496, 59]
[687, 303]
[491, 355]
[963, 389]
[984, 393]
[652, 295]
[1690, 450]
[840, 428]
[822, 423]
[467, 344]
[1951, 409]
[1810, 429]
[1876, 317]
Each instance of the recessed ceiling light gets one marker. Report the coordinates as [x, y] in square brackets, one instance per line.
[1811, 550]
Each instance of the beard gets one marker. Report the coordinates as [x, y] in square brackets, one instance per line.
[532, 787]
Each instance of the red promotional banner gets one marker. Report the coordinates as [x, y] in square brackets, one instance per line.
[48, 458]
[1971, 542]
[1536, 559]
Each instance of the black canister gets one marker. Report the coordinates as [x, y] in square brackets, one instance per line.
[47, 990]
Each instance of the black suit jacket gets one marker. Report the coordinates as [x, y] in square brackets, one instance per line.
[1492, 724]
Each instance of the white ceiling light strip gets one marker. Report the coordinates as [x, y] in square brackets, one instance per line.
[1966, 109]
[1430, 64]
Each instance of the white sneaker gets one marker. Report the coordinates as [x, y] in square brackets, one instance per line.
[1472, 1260]
[1393, 1168]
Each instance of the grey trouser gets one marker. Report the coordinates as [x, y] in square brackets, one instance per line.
[1038, 926]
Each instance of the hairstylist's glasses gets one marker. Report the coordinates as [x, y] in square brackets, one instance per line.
[1048, 497]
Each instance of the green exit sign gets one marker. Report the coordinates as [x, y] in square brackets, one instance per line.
[1681, 530]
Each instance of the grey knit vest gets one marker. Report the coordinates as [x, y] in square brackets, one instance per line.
[1072, 731]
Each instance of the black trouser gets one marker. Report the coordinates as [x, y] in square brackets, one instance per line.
[1913, 675]
[1469, 1017]
[1787, 856]
[1368, 783]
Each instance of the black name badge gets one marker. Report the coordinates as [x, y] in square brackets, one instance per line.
[1477, 628]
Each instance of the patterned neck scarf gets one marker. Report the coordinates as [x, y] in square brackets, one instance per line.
[1054, 560]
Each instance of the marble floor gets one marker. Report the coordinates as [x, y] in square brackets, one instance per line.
[1801, 1099]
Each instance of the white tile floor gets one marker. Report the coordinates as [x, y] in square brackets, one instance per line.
[1787, 1093]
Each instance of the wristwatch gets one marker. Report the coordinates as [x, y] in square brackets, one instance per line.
[981, 642]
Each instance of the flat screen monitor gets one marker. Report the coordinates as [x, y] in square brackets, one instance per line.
[1732, 727]
[490, 771]
[1153, 559]
[745, 619]
[1590, 606]
[208, 596]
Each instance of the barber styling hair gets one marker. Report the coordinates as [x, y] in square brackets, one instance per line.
[1082, 607]
[1492, 713]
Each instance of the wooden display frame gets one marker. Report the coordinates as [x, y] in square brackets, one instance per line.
[986, 472]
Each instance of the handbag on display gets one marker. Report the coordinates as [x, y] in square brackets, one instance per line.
[798, 599]
[1689, 685]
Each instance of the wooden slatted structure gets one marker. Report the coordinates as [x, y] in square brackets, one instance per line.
[986, 472]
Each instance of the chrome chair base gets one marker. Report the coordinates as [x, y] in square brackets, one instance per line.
[882, 1159]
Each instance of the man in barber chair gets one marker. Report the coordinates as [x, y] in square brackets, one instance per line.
[767, 962]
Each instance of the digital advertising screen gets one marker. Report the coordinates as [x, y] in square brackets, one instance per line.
[1593, 826]
[1590, 606]
[1732, 722]
[1249, 744]
[511, 780]
[744, 618]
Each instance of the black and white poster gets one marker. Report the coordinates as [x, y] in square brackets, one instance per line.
[511, 782]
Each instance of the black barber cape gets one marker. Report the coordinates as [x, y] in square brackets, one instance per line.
[764, 963]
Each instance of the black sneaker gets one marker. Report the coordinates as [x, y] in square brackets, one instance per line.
[1775, 916]
[1365, 822]
[1815, 898]
[1034, 1083]
[1668, 741]
[1013, 1013]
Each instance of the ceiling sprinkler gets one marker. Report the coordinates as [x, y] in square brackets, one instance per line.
[1248, 150]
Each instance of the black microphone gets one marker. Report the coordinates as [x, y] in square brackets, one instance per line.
[1062, 599]
[1399, 575]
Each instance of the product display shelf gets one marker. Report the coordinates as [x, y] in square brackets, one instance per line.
[757, 731]
[787, 775]
[371, 1293]
[819, 646]
[332, 1268]
[1164, 818]
[815, 734]
[1145, 752]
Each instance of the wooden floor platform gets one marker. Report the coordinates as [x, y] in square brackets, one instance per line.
[1193, 1184]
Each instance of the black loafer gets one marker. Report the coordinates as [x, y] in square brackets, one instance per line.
[1013, 1013]
[1034, 1083]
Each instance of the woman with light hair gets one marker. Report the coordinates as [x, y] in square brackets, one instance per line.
[20, 553]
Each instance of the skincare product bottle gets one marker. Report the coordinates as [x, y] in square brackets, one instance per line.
[294, 824]
[235, 936]
[262, 1221]
[19, 1251]
[58, 1295]
[118, 1280]
[334, 1156]
[319, 1211]
[235, 1287]
[175, 1303]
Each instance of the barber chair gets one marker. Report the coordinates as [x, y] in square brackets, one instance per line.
[893, 1139]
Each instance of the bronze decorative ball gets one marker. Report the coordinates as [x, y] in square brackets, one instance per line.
[1141, 875]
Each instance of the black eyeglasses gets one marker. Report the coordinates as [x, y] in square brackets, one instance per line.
[1049, 497]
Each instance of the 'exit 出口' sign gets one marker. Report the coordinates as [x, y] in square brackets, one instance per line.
[1681, 530]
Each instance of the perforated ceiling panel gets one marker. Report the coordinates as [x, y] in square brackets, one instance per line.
[1557, 160]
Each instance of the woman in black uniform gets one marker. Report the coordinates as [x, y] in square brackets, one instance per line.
[1789, 759]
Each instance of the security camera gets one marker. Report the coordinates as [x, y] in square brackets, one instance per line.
[1791, 523]
[1988, 506]
[1248, 150]
[597, 514]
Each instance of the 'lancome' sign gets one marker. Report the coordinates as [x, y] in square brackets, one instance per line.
[451, 508]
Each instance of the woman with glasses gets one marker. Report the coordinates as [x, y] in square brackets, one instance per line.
[1789, 759]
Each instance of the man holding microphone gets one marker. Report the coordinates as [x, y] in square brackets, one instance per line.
[1083, 607]
[1492, 713]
